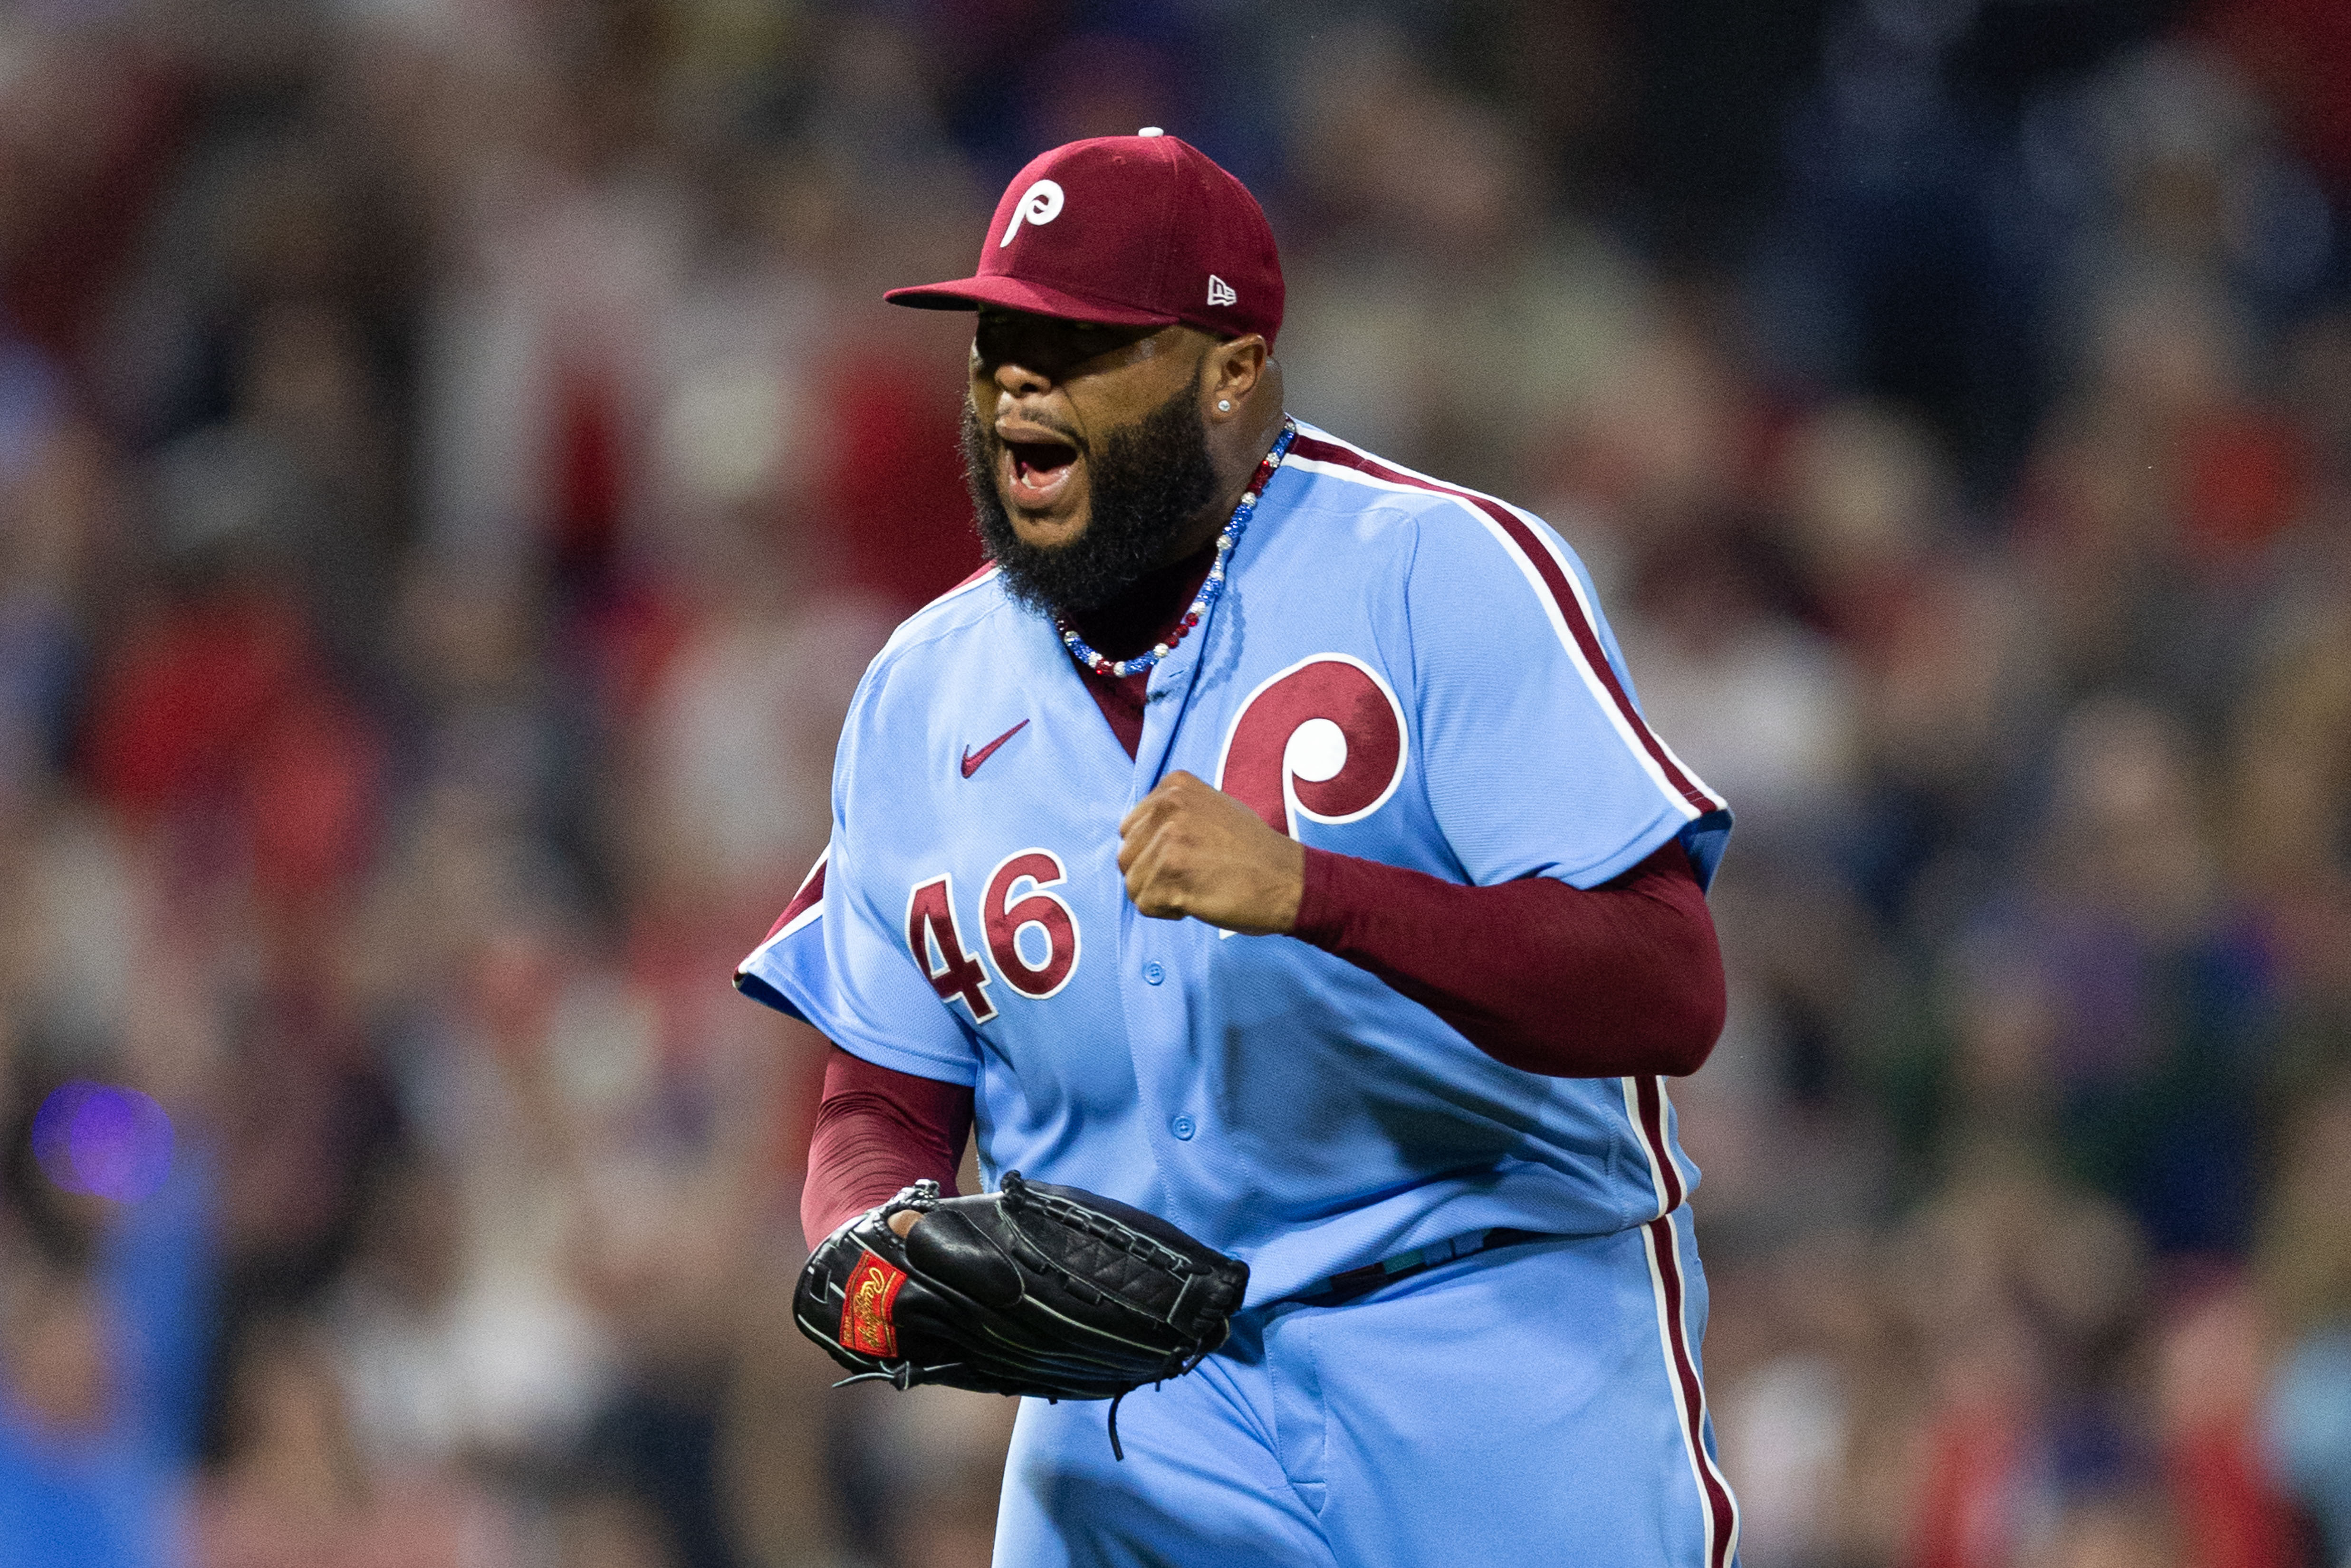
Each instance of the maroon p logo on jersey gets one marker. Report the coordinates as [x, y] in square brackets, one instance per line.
[1325, 737]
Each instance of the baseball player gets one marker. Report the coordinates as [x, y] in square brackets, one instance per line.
[1268, 839]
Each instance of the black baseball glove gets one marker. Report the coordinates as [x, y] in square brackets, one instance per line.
[1036, 1288]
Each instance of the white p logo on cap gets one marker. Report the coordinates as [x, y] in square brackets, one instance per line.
[1040, 203]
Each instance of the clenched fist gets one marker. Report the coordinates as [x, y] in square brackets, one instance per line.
[1189, 848]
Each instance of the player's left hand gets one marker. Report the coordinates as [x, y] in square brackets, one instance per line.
[1189, 848]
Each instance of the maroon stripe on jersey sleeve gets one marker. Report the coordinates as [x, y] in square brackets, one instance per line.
[810, 894]
[1554, 580]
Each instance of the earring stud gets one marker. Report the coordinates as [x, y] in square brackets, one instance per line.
[1224, 405]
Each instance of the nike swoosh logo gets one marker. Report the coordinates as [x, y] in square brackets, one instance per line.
[972, 759]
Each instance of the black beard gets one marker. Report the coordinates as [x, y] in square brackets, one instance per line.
[1146, 483]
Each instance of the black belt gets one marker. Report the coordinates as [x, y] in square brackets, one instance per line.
[1338, 1288]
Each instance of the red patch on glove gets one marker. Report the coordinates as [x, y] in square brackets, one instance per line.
[865, 1325]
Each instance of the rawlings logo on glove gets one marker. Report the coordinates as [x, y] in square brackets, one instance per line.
[1036, 1288]
[865, 1325]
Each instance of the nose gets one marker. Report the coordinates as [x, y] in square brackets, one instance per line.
[1016, 380]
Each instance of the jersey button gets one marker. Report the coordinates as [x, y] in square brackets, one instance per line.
[1183, 1128]
[1154, 974]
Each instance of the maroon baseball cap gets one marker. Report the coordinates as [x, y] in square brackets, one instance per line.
[1132, 231]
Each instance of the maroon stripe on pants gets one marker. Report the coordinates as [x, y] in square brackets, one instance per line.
[1650, 1100]
[1692, 1396]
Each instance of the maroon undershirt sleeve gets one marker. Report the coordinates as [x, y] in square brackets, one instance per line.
[1625, 978]
[876, 1130]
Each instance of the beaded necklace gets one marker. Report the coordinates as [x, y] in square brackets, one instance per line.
[1209, 589]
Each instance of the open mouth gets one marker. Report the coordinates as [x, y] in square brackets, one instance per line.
[1038, 471]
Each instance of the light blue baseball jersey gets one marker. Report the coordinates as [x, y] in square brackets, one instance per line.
[1397, 669]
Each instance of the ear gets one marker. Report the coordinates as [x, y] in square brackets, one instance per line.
[1230, 374]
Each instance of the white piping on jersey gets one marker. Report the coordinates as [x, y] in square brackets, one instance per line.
[1618, 719]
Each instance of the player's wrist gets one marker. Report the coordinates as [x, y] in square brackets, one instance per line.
[1290, 896]
[1321, 906]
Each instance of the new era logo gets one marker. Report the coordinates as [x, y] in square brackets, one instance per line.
[1220, 292]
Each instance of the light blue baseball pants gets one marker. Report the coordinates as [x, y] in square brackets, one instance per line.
[1530, 1404]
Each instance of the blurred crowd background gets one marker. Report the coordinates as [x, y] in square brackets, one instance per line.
[454, 465]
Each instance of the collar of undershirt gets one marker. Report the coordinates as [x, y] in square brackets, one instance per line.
[1147, 611]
